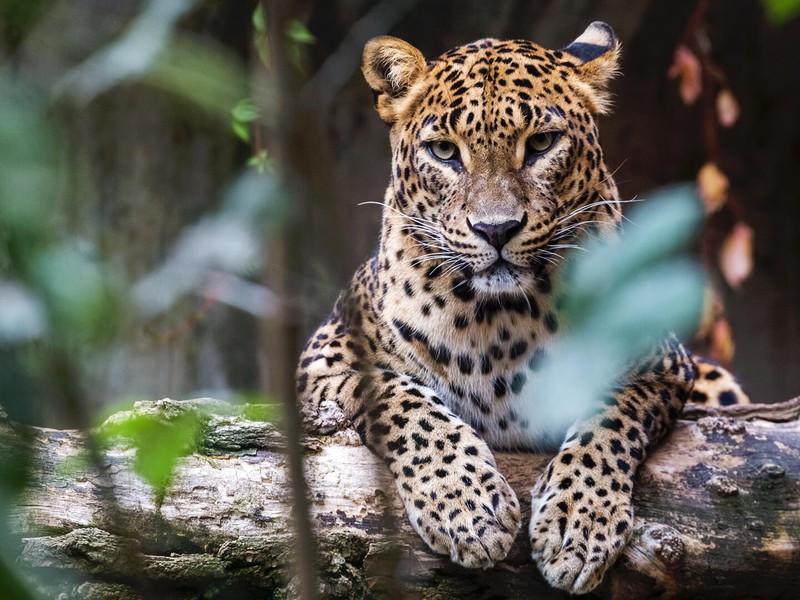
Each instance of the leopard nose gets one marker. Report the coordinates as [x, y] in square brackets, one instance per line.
[497, 234]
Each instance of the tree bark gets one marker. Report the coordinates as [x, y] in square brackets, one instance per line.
[717, 513]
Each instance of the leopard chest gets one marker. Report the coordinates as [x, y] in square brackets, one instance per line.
[481, 358]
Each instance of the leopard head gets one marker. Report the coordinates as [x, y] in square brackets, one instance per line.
[496, 166]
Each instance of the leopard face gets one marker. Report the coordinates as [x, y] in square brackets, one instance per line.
[496, 160]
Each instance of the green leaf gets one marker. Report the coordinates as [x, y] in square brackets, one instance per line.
[260, 38]
[241, 130]
[259, 19]
[245, 111]
[29, 174]
[159, 444]
[14, 585]
[260, 161]
[82, 297]
[620, 299]
[297, 32]
[780, 11]
[660, 228]
[207, 77]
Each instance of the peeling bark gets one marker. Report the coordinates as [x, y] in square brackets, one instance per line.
[717, 513]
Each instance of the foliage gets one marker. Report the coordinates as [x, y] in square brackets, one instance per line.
[63, 303]
[780, 11]
[159, 444]
[623, 298]
[700, 76]
[243, 113]
[56, 292]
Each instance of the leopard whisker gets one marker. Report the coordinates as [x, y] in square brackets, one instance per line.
[552, 257]
[579, 225]
[457, 264]
[420, 220]
[568, 246]
[524, 295]
[422, 244]
[591, 205]
[427, 257]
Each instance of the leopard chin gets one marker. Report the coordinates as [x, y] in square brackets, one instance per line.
[503, 278]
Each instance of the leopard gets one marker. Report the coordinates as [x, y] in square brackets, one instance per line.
[430, 350]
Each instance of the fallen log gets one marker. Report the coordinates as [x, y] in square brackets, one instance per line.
[717, 514]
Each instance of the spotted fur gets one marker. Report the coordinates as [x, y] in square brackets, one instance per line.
[496, 172]
[716, 386]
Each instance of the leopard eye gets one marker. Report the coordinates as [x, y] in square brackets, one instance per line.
[443, 150]
[539, 143]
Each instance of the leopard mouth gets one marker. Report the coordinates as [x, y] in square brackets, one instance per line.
[501, 276]
[499, 268]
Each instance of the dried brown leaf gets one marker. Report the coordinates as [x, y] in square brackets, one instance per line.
[713, 309]
[713, 186]
[687, 69]
[722, 345]
[727, 108]
[736, 255]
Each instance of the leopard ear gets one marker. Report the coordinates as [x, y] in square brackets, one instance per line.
[597, 50]
[391, 67]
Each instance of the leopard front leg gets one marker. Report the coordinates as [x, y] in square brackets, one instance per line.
[582, 512]
[456, 498]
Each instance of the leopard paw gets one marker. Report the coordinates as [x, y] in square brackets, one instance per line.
[460, 504]
[580, 523]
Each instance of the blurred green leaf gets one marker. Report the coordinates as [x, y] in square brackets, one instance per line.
[241, 131]
[208, 77]
[620, 299]
[261, 161]
[159, 444]
[29, 174]
[259, 20]
[245, 111]
[13, 585]
[260, 39]
[659, 228]
[299, 33]
[197, 71]
[780, 11]
[81, 295]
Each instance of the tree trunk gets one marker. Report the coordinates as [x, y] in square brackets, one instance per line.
[717, 513]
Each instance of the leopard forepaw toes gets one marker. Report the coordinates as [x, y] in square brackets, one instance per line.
[577, 535]
[476, 528]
